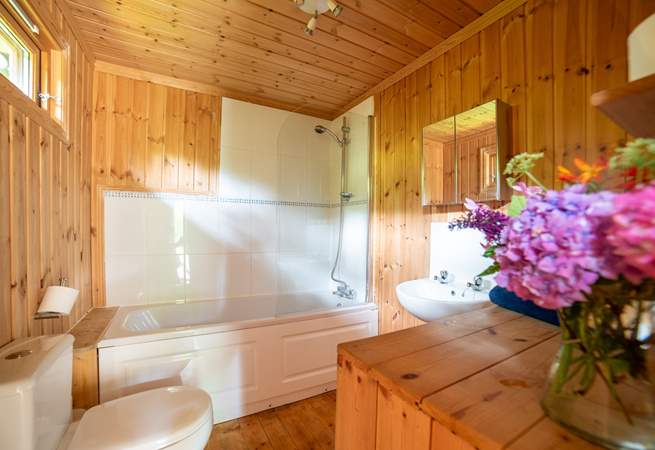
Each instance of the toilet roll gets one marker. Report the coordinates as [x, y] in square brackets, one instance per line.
[58, 299]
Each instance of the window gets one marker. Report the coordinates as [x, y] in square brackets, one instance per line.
[31, 57]
[19, 55]
[16, 59]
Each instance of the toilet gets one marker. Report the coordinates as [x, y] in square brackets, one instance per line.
[36, 407]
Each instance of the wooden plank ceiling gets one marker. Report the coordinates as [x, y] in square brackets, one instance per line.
[257, 49]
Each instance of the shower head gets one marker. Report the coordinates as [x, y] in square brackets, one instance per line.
[320, 129]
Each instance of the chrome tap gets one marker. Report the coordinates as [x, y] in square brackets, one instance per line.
[477, 285]
[443, 277]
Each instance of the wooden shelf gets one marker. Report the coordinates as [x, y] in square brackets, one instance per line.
[631, 106]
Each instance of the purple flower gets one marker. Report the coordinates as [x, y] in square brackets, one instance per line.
[481, 217]
[631, 233]
[551, 253]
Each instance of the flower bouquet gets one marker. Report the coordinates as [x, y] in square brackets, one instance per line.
[587, 251]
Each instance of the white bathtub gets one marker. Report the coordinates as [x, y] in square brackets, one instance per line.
[249, 354]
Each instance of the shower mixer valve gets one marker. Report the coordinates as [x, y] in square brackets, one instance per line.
[345, 292]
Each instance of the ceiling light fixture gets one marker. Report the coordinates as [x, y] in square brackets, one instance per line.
[316, 8]
[335, 7]
[311, 25]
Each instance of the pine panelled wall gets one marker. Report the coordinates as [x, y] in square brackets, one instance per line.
[45, 193]
[545, 59]
[152, 137]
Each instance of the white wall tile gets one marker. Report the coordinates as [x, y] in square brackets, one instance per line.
[264, 273]
[201, 227]
[293, 135]
[291, 178]
[126, 227]
[264, 183]
[164, 226]
[233, 235]
[236, 275]
[264, 231]
[235, 131]
[293, 222]
[164, 278]
[458, 251]
[235, 173]
[125, 280]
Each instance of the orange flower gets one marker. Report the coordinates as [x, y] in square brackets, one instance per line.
[565, 174]
[588, 172]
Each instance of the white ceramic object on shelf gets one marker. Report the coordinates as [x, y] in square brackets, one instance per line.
[641, 51]
[430, 300]
[36, 413]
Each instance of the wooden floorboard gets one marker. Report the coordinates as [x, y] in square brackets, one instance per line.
[304, 425]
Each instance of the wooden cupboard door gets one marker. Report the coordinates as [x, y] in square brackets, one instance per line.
[356, 407]
[400, 425]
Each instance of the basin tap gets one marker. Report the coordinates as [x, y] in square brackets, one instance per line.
[443, 277]
[477, 285]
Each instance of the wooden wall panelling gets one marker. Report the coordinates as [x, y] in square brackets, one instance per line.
[513, 74]
[215, 143]
[174, 137]
[5, 227]
[34, 250]
[470, 59]
[569, 81]
[607, 29]
[544, 58]
[149, 136]
[18, 235]
[43, 205]
[437, 89]
[186, 172]
[490, 88]
[540, 100]
[156, 131]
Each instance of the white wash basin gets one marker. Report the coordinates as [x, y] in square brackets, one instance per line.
[430, 300]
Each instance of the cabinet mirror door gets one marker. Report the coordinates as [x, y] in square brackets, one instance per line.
[464, 155]
[439, 163]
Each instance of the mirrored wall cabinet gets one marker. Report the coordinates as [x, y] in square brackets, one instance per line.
[464, 156]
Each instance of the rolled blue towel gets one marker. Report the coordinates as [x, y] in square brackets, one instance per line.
[509, 300]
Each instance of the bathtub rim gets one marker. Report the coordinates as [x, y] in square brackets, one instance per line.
[116, 335]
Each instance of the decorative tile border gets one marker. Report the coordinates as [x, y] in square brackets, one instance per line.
[217, 199]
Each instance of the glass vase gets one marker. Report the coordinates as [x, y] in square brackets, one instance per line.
[601, 384]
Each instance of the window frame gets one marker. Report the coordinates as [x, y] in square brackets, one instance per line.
[36, 51]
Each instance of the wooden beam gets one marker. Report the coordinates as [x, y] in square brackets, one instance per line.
[29, 107]
[491, 16]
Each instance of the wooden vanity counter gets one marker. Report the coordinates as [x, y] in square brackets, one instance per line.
[470, 381]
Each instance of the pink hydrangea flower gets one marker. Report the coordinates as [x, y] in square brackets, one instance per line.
[550, 253]
[631, 233]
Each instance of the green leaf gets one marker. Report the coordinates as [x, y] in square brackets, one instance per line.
[490, 252]
[494, 268]
[516, 206]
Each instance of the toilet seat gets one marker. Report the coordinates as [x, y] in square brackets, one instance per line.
[177, 417]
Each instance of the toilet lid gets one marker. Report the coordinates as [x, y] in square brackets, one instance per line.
[148, 420]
